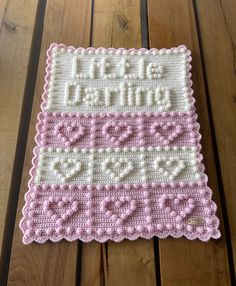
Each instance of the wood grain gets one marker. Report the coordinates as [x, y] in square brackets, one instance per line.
[49, 263]
[3, 6]
[117, 24]
[131, 263]
[17, 23]
[92, 264]
[185, 262]
[220, 63]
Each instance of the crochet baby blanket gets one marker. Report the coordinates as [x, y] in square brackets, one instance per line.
[118, 149]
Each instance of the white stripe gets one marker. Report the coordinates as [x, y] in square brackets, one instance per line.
[119, 165]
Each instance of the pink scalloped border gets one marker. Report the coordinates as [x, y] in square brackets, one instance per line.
[118, 238]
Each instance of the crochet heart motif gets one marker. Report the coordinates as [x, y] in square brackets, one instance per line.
[117, 168]
[118, 209]
[177, 206]
[159, 129]
[169, 166]
[60, 209]
[68, 132]
[65, 168]
[117, 132]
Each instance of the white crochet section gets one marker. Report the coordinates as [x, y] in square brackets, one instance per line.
[110, 166]
[88, 81]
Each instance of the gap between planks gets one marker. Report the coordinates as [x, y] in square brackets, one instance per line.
[206, 42]
[172, 24]
[118, 24]
[49, 263]
[27, 81]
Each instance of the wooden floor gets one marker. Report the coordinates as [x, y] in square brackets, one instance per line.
[208, 28]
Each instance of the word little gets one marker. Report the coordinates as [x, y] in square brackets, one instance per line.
[102, 69]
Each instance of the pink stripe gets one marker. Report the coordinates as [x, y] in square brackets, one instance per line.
[116, 130]
[187, 211]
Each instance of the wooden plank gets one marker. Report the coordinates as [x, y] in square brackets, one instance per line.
[49, 263]
[17, 23]
[219, 57]
[3, 6]
[92, 265]
[134, 259]
[117, 24]
[184, 262]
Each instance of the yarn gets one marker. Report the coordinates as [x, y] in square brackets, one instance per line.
[118, 149]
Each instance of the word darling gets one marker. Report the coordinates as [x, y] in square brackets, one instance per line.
[124, 95]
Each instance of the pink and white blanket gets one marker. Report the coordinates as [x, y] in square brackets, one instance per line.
[118, 149]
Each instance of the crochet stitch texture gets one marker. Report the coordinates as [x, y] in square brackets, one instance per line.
[118, 149]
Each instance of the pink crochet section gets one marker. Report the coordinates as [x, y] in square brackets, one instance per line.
[118, 149]
[116, 130]
[118, 213]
